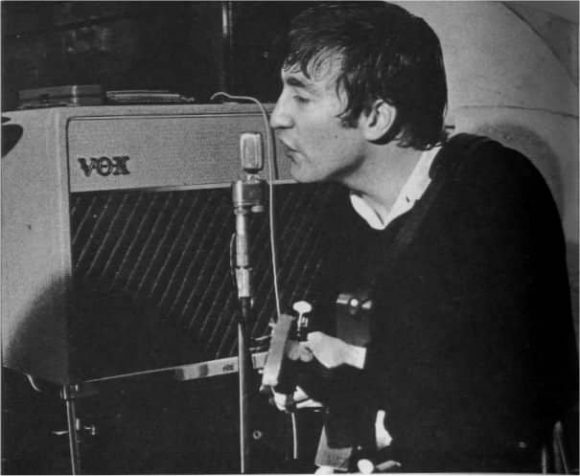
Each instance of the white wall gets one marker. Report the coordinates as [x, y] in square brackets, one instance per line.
[512, 75]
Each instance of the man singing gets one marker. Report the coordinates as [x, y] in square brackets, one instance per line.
[468, 356]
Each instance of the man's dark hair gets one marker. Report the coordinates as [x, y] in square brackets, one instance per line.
[386, 53]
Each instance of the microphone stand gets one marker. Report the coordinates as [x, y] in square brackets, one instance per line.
[247, 198]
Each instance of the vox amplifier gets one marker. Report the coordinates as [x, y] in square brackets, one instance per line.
[116, 235]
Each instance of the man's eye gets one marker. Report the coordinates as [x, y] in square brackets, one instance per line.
[301, 99]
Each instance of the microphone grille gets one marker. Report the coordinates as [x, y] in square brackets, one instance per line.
[251, 155]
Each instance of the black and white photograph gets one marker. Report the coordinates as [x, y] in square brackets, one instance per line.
[289, 237]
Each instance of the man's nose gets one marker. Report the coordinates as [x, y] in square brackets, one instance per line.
[280, 118]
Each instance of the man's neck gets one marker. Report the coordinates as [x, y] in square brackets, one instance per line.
[382, 175]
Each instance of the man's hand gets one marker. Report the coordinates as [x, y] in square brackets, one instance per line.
[296, 401]
[296, 350]
[333, 352]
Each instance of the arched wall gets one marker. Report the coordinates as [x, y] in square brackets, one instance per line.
[507, 80]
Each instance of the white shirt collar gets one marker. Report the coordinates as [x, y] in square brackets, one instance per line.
[412, 191]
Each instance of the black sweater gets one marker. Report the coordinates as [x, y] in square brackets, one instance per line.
[472, 351]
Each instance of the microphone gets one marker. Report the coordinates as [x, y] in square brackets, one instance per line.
[247, 198]
[251, 155]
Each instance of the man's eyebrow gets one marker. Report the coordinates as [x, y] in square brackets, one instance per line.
[298, 83]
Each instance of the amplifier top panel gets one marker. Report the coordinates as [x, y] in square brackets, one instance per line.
[128, 147]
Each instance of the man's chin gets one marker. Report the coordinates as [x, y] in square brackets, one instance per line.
[299, 174]
[300, 178]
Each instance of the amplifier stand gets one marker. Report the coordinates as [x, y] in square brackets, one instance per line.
[69, 395]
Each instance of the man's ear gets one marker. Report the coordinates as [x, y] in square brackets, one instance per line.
[378, 121]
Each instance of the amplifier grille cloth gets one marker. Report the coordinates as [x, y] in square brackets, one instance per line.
[151, 273]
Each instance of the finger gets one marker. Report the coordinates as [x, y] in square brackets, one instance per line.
[312, 344]
[300, 394]
[314, 337]
[309, 403]
[298, 351]
[324, 470]
[306, 355]
[281, 401]
[293, 350]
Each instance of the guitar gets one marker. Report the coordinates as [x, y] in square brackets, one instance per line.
[275, 374]
[352, 326]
